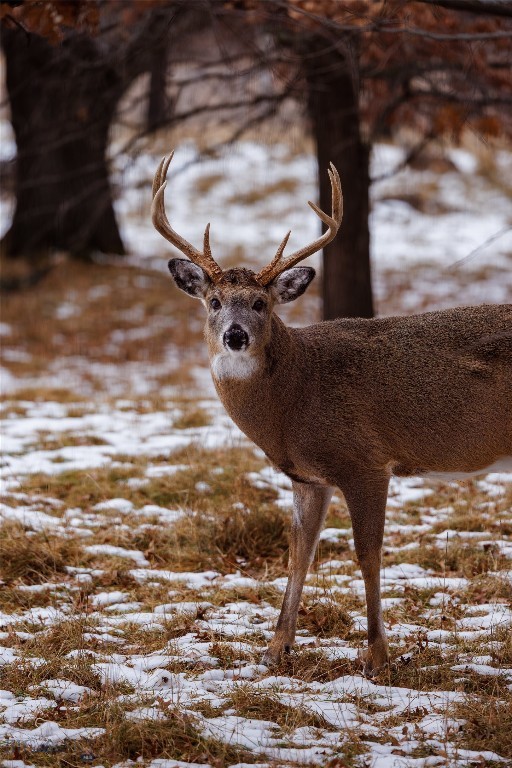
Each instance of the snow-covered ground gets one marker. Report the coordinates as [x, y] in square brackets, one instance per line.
[350, 706]
[112, 618]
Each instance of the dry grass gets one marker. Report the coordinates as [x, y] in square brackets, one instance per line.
[228, 521]
[47, 442]
[192, 417]
[265, 705]
[232, 524]
[110, 305]
[314, 666]
[351, 752]
[223, 469]
[205, 183]
[255, 539]
[470, 515]
[229, 654]
[261, 593]
[145, 640]
[426, 667]
[455, 558]
[177, 736]
[13, 599]
[85, 488]
[256, 195]
[338, 515]
[422, 668]
[325, 619]
[117, 576]
[214, 533]
[184, 488]
[61, 638]
[44, 394]
[21, 674]
[487, 589]
[502, 655]
[487, 724]
[149, 595]
[33, 558]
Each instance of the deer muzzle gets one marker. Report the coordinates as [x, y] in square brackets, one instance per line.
[235, 338]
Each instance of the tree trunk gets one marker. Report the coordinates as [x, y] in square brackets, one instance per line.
[62, 101]
[159, 108]
[333, 104]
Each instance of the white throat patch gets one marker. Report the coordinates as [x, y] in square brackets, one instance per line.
[237, 365]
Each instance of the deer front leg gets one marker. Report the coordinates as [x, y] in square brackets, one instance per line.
[366, 499]
[310, 503]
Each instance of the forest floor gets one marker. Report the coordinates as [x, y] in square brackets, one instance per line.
[143, 539]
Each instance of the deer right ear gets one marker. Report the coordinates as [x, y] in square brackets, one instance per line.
[292, 283]
[189, 277]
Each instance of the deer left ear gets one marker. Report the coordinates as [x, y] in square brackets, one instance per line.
[292, 283]
[189, 277]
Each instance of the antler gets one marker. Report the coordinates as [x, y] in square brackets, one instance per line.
[276, 266]
[203, 259]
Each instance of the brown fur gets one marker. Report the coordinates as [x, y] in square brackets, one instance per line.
[427, 392]
[348, 403]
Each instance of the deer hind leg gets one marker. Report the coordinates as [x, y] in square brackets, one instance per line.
[310, 503]
[366, 499]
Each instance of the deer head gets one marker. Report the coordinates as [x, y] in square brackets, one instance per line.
[240, 302]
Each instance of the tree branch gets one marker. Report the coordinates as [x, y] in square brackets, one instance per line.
[480, 7]
[480, 247]
[451, 36]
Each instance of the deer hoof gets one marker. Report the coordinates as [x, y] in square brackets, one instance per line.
[271, 658]
[373, 663]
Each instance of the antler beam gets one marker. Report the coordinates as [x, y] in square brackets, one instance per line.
[277, 266]
[203, 259]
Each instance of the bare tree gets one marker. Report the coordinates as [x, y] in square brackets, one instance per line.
[64, 83]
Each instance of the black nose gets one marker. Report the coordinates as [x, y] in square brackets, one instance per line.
[235, 337]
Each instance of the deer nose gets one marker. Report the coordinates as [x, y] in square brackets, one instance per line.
[235, 337]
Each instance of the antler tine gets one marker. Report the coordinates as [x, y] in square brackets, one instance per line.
[203, 259]
[206, 242]
[160, 174]
[276, 266]
[277, 257]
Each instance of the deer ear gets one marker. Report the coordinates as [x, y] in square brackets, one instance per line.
[292, 283]
[189, 277]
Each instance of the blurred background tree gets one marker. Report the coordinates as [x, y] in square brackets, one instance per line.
[361, 70]
[67, 66]
[373, 68]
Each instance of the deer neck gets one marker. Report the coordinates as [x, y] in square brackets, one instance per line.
[259, 392]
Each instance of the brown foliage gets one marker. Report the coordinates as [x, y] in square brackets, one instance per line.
[436, 69]
[433, 68]
[53, 19]
[50, 18]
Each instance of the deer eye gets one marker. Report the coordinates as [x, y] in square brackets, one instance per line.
[258, 305]
[215, 304]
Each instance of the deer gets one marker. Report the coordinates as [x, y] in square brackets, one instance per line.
[348, 403]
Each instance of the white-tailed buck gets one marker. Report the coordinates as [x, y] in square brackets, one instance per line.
[348, 403]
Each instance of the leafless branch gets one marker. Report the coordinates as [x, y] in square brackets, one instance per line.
[480, 247]
[451, 36]
[480, 7]
[473, 102]
[411, 155]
